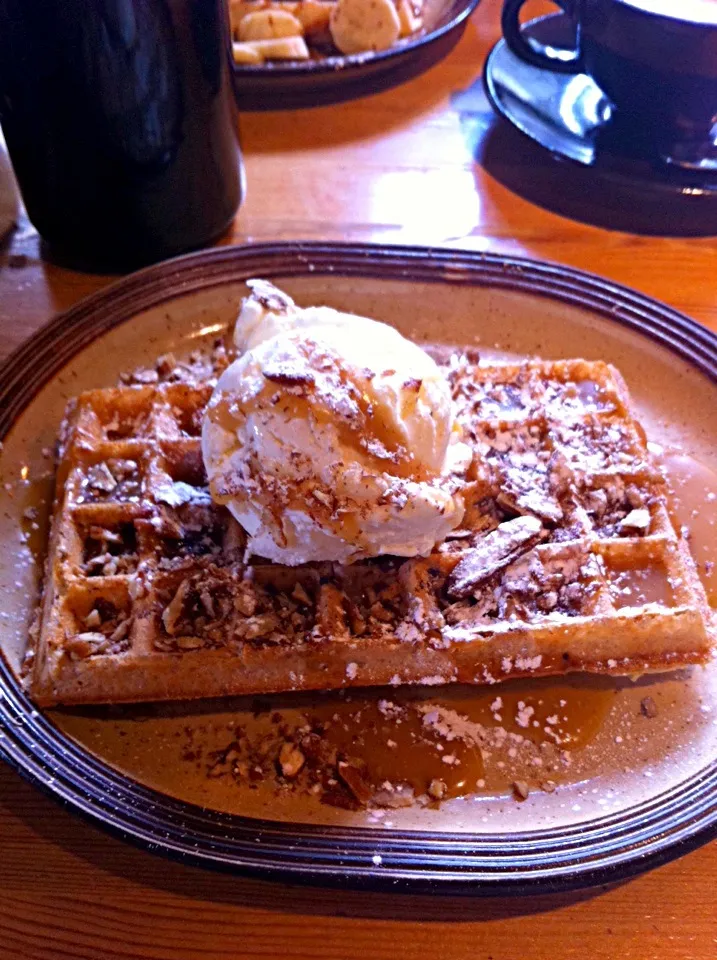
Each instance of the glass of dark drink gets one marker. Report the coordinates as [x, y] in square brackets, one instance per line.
[120, 121]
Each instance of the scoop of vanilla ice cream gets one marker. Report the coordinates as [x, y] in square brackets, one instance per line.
[332, 437]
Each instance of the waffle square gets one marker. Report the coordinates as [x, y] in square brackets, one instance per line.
[567, 559]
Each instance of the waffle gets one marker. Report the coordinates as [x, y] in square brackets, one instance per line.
[567, 559]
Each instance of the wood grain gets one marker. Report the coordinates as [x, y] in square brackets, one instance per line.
[425, 163]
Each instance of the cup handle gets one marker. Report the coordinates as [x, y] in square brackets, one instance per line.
[531, 51]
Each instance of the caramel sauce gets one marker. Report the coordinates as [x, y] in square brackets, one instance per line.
[167, 746]
[693, 505]
[36, 494]
[630, 587]
[352, 431]
[580, 704]
[399, 749]
[565, 714]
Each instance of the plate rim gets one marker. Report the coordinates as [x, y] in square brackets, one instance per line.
[608, 849]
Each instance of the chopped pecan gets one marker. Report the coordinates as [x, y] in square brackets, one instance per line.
[245, 599]
[172, 613]
[165, 364]
[535, 502]
[437, 789]
[121, 631]
[637, 520]
[521, 790]
[259, 626]
[291, 760]
[84, 645]
[300, 595]
[289, 370]
[93, 619]
[648, 707]
[189, 643]
[207, 602]
[355, 781]
[322, 497]
[494, 552]
[269, 296]
[99, 477]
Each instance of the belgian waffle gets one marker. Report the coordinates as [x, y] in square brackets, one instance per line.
[567, 559]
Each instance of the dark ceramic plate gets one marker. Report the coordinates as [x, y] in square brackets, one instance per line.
[640, 791]
[312, 83]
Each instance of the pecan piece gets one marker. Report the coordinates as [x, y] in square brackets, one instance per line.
[291, 760]
[637, 520]
[84, 645]
[521, 790]
[93, 619]
[260, 626]
[437, 789]
[535, 502]
[173, 611]
[100, 478]
[355, 781]
[648, 707]
[269, 296]
[245, 599]
[494, 552]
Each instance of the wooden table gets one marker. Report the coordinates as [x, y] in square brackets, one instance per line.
[425, 163]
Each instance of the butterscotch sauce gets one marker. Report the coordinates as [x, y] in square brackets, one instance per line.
[389, 740]
[36, 495]
[693, 505]
[566, 711]
[635, 587]
[397, 738]
[352, 432]
[523, 729]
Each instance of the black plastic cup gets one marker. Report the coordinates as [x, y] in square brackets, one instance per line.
[121, 125]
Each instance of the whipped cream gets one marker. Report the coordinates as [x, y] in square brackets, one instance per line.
[332, 438]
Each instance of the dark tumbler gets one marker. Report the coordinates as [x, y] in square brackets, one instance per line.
[120, 121]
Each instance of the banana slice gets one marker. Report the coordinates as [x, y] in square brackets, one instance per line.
[269, 25]
[257, 51]
[410, 16]
[360, 25]
[246, 54]
[238, 9]
[315, 14]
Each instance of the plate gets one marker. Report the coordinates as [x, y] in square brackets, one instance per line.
[290, 85]
[570, 115]
[640, 786]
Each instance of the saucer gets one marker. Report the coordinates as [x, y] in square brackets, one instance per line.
[573, 118]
